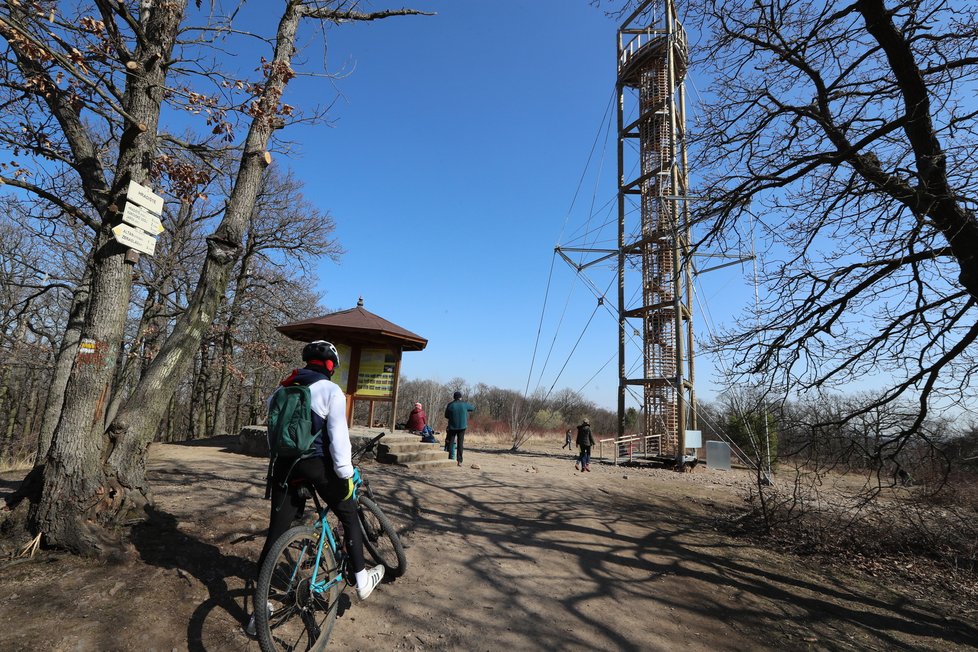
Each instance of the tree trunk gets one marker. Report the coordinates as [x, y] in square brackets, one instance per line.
[227, 344]
[81, 495]
[198, 393]
[255, 405]
[239, 395]
[168, 431]
[63, 362]
[219, 421]
[34, 401]
[132, 363]
[133, 427]
[14, 402]
[7, 404]
[25, 406]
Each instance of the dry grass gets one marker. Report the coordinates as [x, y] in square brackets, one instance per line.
[899, 532]
[11, 464]
[505, 440]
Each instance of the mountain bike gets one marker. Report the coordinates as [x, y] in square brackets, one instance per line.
[307, 570]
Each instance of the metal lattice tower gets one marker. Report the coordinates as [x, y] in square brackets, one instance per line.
[653, 223]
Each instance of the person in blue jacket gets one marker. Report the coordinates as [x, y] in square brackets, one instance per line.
[457, 413]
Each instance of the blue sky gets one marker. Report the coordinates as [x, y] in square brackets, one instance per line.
[456, 147]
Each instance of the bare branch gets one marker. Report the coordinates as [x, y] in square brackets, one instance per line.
[52, 198]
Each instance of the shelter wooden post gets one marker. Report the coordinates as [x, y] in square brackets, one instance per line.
[351, 382]
[397, 384]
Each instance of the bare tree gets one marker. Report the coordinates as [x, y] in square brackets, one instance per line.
[840, 136]
[494, 402]
[521, 416]
[89, 79]
[286, 231]
[430, 393]
[40, 271]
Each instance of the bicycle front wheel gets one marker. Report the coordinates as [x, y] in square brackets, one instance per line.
[290, 612]
[380, 539]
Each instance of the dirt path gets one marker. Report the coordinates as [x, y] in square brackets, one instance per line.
[522, 553]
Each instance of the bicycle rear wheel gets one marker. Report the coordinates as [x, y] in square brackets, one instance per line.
[300, 618]
[380, 539]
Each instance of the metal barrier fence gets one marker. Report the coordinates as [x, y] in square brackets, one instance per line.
[630, 446]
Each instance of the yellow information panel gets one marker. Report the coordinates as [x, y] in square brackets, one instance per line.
[342, 375]
[376, 376]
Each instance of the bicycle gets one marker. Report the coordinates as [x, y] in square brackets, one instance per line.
[306, 571]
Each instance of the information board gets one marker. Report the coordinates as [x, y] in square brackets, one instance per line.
[376, 377]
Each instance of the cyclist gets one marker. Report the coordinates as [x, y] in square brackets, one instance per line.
[330, 468]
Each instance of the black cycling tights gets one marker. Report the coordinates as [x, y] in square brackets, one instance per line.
[287, 503]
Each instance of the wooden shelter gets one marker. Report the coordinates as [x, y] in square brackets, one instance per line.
[370, 349]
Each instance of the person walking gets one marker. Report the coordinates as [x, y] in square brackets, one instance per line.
[457, 413]
[567, 440]
[584, 442]
[329, 469]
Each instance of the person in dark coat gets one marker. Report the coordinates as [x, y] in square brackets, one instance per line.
[584, 442]
[417, 420]
[567, 440]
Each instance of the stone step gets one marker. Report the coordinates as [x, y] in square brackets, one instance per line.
[423, 465]
[398, 457]
[406, 450]
[400, 438]
[406, 447]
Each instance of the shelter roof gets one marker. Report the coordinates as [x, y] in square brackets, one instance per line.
[355, 325]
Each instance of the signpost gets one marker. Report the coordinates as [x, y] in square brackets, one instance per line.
[138, 216]
[135, 239]
[145, 197]
[143, 210]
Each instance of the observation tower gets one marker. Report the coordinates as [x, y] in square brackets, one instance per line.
[654, 275]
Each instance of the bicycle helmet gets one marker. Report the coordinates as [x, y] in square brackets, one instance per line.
[323, 351]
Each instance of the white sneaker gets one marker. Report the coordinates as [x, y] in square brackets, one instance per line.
[374, 576]
[251, 628]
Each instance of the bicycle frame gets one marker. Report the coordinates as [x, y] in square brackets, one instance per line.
[324, 529]
[303, 592]
[326, 538]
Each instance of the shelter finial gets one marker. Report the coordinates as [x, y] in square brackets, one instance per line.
[360, 302]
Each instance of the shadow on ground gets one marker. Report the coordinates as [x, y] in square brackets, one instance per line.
[166, 541]
[665, 565]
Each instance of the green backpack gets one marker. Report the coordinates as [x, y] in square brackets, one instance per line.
[290, 431]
